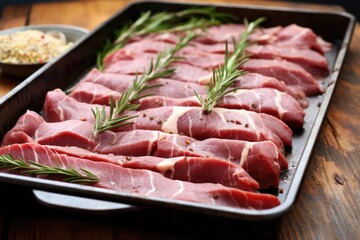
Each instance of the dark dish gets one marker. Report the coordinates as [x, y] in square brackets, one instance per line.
[303, 143]
[71, 34]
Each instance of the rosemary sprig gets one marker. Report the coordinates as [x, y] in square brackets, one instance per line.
[157, 69]
[189, 19]
[33, 168]
[224, 76]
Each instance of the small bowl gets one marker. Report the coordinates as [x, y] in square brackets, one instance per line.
[23, 70]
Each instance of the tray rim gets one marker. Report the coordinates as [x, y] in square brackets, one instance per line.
[104, 194]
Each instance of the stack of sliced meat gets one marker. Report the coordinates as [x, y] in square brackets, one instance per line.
[173, 149]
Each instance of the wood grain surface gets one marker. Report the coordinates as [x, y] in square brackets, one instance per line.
[328, 205]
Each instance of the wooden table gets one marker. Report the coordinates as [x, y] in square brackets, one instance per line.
[328, 206]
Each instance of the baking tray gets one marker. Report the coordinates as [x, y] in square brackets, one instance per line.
[335, 27]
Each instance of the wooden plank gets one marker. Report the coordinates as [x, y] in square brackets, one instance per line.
[86, 14]
[12, 16]
[40, 226]
[328, 205]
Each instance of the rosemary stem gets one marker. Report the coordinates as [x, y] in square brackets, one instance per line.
[188, 19]
[33, 168]
[158, 68]
[224, 76]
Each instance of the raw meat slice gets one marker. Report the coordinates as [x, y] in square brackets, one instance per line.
[197, 58]
[187, 73]
[223, 32]
[120, 83]
[173, 88]
[197, 170]
[148, 45]
[297, 93]
[220, 123]
[296, 36]
[184, 72]
[131, 67]
[256, 80]
[260, 100]
[95, 93]
[216, 34]
[191, 121]
[212, 48]
[290, 73]
[168, 37]
[143, 183]
[312, 61]
[250, 155]
[290, 36]
[189, 169]
[116, 82]
[141, 49]
[127, 56]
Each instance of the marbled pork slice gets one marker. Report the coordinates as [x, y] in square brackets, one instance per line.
[144, 183]
[294, 35]
[290, 73]
[283, 70]
[291, 35]
[313, 62]
[138, 65]
[191, 121]
[121, 82]
[255, 80]
[174, 88]
[261, 100]
[227, 32]
[184, 168]
[261, 160]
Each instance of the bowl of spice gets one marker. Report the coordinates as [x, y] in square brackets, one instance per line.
[24, 50]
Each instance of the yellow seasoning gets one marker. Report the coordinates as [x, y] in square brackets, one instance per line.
[31, 46]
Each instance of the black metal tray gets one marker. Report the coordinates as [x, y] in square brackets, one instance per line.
[335, 27]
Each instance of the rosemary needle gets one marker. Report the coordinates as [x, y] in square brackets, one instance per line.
[224, 76]
[157, 69]
[33, 168]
